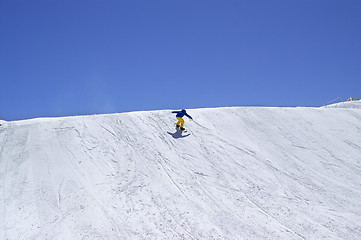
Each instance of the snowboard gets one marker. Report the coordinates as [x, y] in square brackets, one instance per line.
[178, 128]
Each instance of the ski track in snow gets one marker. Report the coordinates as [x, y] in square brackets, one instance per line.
[4, 166]
[238, 173]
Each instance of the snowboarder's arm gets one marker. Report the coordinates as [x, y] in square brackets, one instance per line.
[189, 116]
[175, 112]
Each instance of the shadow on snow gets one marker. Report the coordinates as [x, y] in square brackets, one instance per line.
[178, 134]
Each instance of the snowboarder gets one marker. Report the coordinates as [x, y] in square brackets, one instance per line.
[179, 116]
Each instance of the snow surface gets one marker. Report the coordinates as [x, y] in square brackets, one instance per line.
[239, 173]
[349, 104]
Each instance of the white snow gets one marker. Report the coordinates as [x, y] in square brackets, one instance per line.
[239, 173]
[349, 104]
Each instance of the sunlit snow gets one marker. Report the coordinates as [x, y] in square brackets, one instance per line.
[238, 173]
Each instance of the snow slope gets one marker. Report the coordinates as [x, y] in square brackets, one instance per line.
[349, 104]
[239, 173]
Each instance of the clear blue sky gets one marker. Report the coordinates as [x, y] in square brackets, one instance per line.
[61, 57]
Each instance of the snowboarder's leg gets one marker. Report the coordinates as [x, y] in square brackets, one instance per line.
[180, 122]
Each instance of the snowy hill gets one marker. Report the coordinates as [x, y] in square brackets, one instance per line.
[349, 104]
[239, 173]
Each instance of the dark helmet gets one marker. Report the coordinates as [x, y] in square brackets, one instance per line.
[183, 110]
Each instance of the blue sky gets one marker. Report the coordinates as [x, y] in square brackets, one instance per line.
[60, 58]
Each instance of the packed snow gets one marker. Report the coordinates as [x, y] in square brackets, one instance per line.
[348, 104]
[238, 173]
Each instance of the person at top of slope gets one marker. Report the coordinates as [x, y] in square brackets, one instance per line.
[179, 116]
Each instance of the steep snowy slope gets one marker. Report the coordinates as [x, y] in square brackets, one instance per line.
[239, 173]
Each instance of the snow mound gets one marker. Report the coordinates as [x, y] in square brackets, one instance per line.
[238, 173]
[350, 104]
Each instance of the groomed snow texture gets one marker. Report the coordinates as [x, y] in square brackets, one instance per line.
[238, 173]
